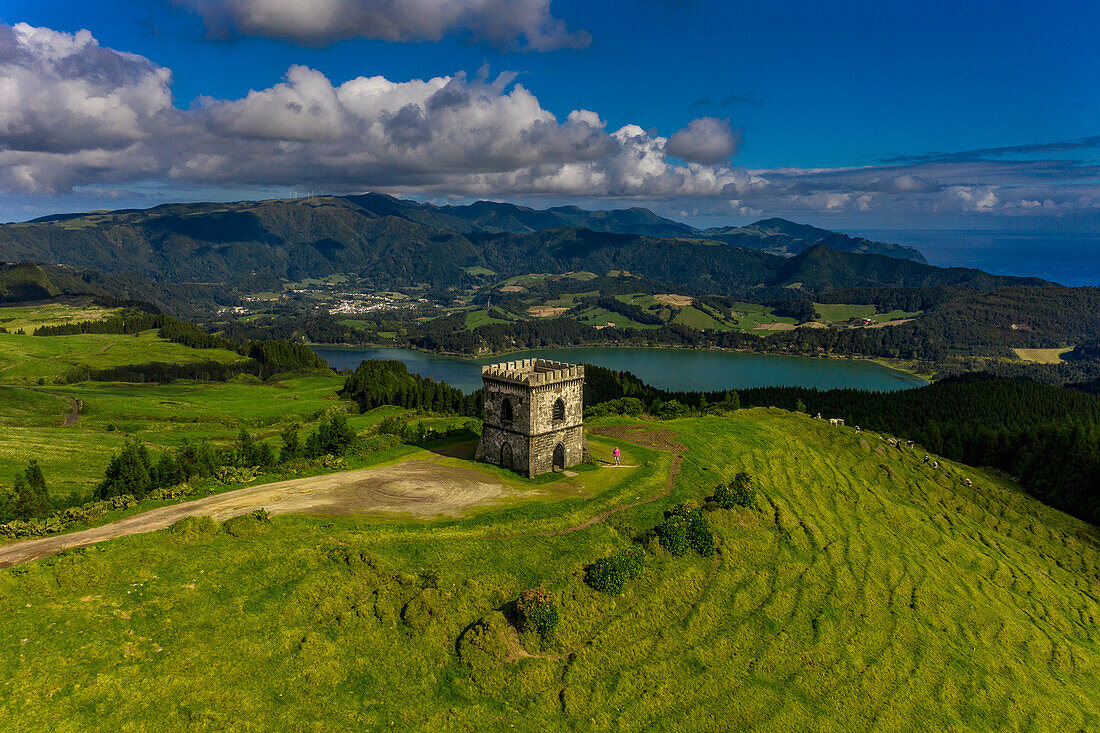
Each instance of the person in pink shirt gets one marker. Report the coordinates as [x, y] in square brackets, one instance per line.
[616, 454]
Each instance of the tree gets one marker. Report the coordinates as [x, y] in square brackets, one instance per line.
[30, 498]
[292, 445]
[334, 435]
[127, 473]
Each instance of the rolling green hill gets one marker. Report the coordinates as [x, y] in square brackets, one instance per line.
[863, 591]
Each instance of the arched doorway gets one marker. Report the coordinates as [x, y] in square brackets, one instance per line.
[559, 456]
[506, 412]
[506, 455]
[559, 409]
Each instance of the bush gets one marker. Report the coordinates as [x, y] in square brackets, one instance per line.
[375, 444]
[392, 425]
[246, 525]
[739, 492]
[673, 535]
[609, 574]
[193, 528]
[333, 437]
[536, 611]
[686, 528]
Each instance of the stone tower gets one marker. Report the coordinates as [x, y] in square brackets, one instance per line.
[534, 411]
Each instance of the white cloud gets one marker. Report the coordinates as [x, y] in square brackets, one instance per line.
[523, 24]
[75, 115]
[706, 140]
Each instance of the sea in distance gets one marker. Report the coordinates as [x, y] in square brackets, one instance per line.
[1062, 257]
[671, 369]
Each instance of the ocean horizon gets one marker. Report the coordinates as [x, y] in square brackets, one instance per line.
[1065, 258]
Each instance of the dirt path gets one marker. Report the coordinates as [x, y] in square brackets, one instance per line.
[73, 415]
[74, 407]
[423, 488]
[420, 487]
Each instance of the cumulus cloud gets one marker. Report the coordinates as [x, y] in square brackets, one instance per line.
[705, 140]
[520, 24]
[70, 108]
[75, 115]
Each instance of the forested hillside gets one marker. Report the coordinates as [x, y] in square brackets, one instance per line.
[397, 243]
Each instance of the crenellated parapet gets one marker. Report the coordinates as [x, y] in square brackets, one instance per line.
[533, 415]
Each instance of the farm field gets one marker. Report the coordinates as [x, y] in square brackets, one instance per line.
[30, 317]
[751, 316]
[1042, 356]
[863, 591]
[840, 312]
[480, 318]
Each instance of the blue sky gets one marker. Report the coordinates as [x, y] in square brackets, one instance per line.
[856, 114]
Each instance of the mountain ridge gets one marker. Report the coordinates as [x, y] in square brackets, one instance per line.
[393, 243]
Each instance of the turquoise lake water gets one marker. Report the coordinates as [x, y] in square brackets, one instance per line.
[672, 369]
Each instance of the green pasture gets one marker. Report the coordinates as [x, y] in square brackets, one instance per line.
[864, 591]
[481, 318]
[751, 315]
[30, 317]
[74, 457]
[601, 316]
[894, 315]
[30, 358]
[839, 312]
[697, 318]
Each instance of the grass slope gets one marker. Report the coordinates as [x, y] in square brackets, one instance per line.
[30, 358]
[864, 591]
[73, 458]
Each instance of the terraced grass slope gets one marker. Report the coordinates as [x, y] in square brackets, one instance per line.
[864, 591]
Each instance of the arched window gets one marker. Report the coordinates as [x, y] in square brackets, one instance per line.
[559, 409]
[506, 412]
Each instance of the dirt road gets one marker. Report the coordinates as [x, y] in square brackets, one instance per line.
[421, 488]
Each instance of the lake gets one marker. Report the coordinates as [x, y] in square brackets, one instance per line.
[671, 369]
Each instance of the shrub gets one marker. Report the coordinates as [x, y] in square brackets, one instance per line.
[609, 574]
[739, 492]
[686, 528]
[374, 444]
[391, 425]
[333, 436]
[536, 611]
[673, 535]
[246, 525]
[193, 528]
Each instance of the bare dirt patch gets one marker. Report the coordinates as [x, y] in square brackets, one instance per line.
[776, 327]
[884, 324]
[813, 324]
[679, 301]
[547, 311]
[421, 488]
[665, 440]
[512, 289]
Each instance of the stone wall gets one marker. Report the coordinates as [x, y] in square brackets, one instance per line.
[533, 434]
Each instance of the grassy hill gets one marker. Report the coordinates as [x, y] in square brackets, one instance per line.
[864, 590]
